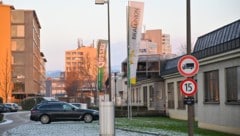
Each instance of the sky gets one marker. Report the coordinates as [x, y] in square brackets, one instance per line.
[63, 22]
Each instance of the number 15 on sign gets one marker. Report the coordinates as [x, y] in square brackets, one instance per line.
[188, 87]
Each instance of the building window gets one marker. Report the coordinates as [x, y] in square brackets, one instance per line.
[233, 84]
[145, 95]
[170, 95]
[18, 59]
[18, 45]
[141, 66]
[18, 31]
[151, 96]
[180, 97]
[17, 16]
[80, 53]
[211, 87]
[132, 95]
[153, 66]
[137, 95]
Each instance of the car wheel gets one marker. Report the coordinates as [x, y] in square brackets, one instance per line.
[45, 119]
[88, 118]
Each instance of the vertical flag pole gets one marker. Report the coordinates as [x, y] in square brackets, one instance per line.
[135, 16]
[128, 65]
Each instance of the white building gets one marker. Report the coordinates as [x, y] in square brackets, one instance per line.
[218, 97]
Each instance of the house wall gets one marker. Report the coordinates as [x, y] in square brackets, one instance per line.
[175, 112]
[218, 116]
[153, 97]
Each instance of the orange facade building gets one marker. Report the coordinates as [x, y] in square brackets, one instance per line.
[76, 59]
[5, 53]
[22, 64]
[161, 40]
[81, 65]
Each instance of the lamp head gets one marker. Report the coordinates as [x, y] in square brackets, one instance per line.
[99, 2]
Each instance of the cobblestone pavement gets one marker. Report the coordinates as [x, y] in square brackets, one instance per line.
[64, 129]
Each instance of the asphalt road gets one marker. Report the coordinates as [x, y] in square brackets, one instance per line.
[14, 119]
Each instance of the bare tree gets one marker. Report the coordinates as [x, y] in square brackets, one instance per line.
[82, 77]
[88, 72]
[6, 77]
[72, 83]
[182, 49]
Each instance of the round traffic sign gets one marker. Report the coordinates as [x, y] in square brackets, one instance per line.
[188, 87]
[188, 66]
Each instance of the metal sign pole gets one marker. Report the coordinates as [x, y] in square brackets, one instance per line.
[190, 106]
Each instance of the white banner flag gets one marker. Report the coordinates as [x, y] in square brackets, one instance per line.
[135, 17]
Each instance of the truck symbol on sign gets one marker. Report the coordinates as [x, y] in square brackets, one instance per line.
[188, 66]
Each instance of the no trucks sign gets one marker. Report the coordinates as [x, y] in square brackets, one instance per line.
[188, 66]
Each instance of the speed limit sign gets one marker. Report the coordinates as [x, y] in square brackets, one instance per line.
[188, 87]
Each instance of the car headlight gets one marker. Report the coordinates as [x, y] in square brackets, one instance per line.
[96, 112]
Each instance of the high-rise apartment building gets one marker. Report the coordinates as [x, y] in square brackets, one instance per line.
[166, 44]
[43, 74]
[22, 41]
[76, 59]
[162, 41]
[28, 62]
[82, 63]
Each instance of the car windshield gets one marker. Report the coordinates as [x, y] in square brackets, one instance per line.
[74, 106]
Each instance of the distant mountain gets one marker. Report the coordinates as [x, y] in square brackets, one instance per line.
[53, 74]
[56, 73]
[116, 68]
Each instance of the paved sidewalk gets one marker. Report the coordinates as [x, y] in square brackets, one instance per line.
[64, 129]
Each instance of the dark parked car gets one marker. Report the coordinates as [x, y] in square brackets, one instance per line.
[13, 107]
[3, 108]
[80, 105]
[47, 112]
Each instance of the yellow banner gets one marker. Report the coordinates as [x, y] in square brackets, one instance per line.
[135, 17]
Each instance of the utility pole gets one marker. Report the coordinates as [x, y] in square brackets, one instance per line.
[190, 106]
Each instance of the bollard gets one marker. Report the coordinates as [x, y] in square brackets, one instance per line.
[106, 120]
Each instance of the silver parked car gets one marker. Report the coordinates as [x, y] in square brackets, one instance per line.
[3, 108]
[13, 107]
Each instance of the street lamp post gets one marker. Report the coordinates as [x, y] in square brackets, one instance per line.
[106, 109]
[115, 80]
[102, 2]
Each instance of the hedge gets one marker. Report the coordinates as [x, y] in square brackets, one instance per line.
[1, 117]
[1, 100]
[28, 104]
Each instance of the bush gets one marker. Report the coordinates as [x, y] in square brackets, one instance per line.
[1, 100]
[28, 104]
[1, 117]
